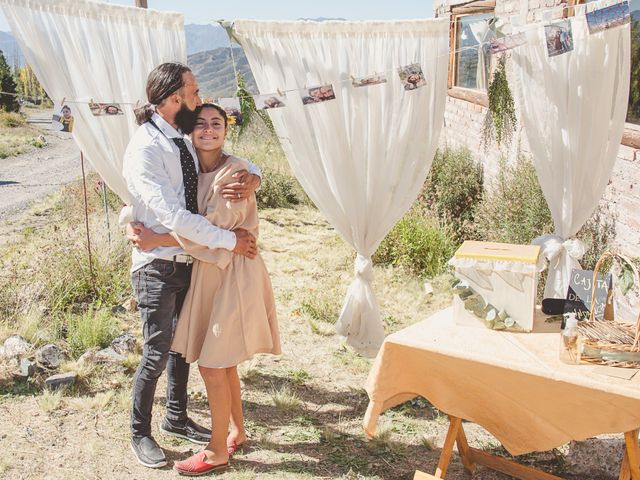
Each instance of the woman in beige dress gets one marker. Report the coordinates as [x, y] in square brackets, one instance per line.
[229, 312]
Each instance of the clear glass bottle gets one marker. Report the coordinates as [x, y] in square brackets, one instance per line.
[570, 341]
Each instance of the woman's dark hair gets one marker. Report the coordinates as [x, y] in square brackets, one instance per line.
[163, 81]
[220, 110]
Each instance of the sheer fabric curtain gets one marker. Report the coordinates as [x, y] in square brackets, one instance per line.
[83, 50]
[573, 109]
[363, 157]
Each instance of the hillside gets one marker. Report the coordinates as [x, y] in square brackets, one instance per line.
[214, 71]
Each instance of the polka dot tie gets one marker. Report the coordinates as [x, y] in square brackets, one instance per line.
[189, 176]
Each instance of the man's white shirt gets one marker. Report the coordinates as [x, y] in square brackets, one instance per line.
[153, 173]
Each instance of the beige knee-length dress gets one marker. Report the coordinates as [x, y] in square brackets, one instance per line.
[229, 313]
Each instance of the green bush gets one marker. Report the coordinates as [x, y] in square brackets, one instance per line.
[11, 120]
[419, 244]
[278, 190]
[454, 189]
[597, 234]
[514, 209]
[90, 329]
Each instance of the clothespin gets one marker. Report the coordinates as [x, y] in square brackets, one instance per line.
[62, 103]
[280, 92]
[137, 104]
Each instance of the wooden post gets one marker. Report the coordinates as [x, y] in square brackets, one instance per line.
[141, 3]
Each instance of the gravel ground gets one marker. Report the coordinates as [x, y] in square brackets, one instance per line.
[31, 176]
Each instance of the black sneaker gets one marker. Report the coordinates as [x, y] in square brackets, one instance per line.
[189, 430]
[148, 452]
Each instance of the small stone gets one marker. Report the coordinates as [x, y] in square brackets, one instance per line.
[124, 344]
[131, 305]
[60, 380]
[16, 346]
[106, 356]
[27, 368]
[49, 356]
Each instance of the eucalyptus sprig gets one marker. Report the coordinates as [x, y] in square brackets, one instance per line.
[500, 121]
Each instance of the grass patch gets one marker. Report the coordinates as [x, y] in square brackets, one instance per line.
[286, 400]
[90, 329]
[50, 401]
[16, 136]
[94, 404]
[299, 376]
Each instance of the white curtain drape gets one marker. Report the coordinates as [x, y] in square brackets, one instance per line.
[363, 157]
[573, 108]
[480, 31]
[81, 51]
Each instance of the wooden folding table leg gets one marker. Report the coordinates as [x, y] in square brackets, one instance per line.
[630, 468]
[447, 448]
[464, 452]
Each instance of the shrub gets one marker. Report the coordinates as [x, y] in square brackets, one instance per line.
[419, 244]
[597, 234]
[11, 120]
[453, 189]
[278, 190]
[514, 209]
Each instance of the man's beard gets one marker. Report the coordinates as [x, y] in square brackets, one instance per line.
[186, 119]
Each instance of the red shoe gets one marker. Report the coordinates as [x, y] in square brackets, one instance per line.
[233, 447]
[195, 466]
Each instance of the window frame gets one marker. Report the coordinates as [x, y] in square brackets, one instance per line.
[477, 7]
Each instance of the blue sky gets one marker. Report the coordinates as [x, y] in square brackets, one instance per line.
[200, 11]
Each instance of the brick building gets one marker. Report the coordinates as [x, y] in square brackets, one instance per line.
[469, 74]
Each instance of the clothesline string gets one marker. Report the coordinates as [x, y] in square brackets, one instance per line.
[349, 80]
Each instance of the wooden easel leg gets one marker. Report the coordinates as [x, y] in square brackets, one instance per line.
[464, 452]
[630, 468]
[447, 448]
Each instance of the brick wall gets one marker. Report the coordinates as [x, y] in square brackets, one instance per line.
[463, 125]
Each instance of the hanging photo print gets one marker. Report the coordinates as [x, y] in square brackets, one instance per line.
[231, 105]
[102, 109]
[62, 119]
[507, 43]
[267, 102]
[559, 38]
[412, 76]
[319, 94]
[369, 80]
[608, 17]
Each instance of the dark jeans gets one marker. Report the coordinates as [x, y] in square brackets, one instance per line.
[160, 287]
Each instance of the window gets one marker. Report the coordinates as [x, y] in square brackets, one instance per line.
[472, 61]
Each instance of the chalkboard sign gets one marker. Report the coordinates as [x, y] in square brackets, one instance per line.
[579, 294]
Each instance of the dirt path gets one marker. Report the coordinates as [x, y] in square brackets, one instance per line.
[31, 176]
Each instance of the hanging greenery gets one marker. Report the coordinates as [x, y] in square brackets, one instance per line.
[500, 121]
[248, 108]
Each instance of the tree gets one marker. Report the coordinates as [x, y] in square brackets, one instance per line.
[29, 86]
[8, 97]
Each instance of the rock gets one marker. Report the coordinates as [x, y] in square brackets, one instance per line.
[16, 346]
[26, 369]
[49, 356]
[130, 305]
[105, 356]
[118, 310]
[124, 344]
[60, 380]
[428, 288]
